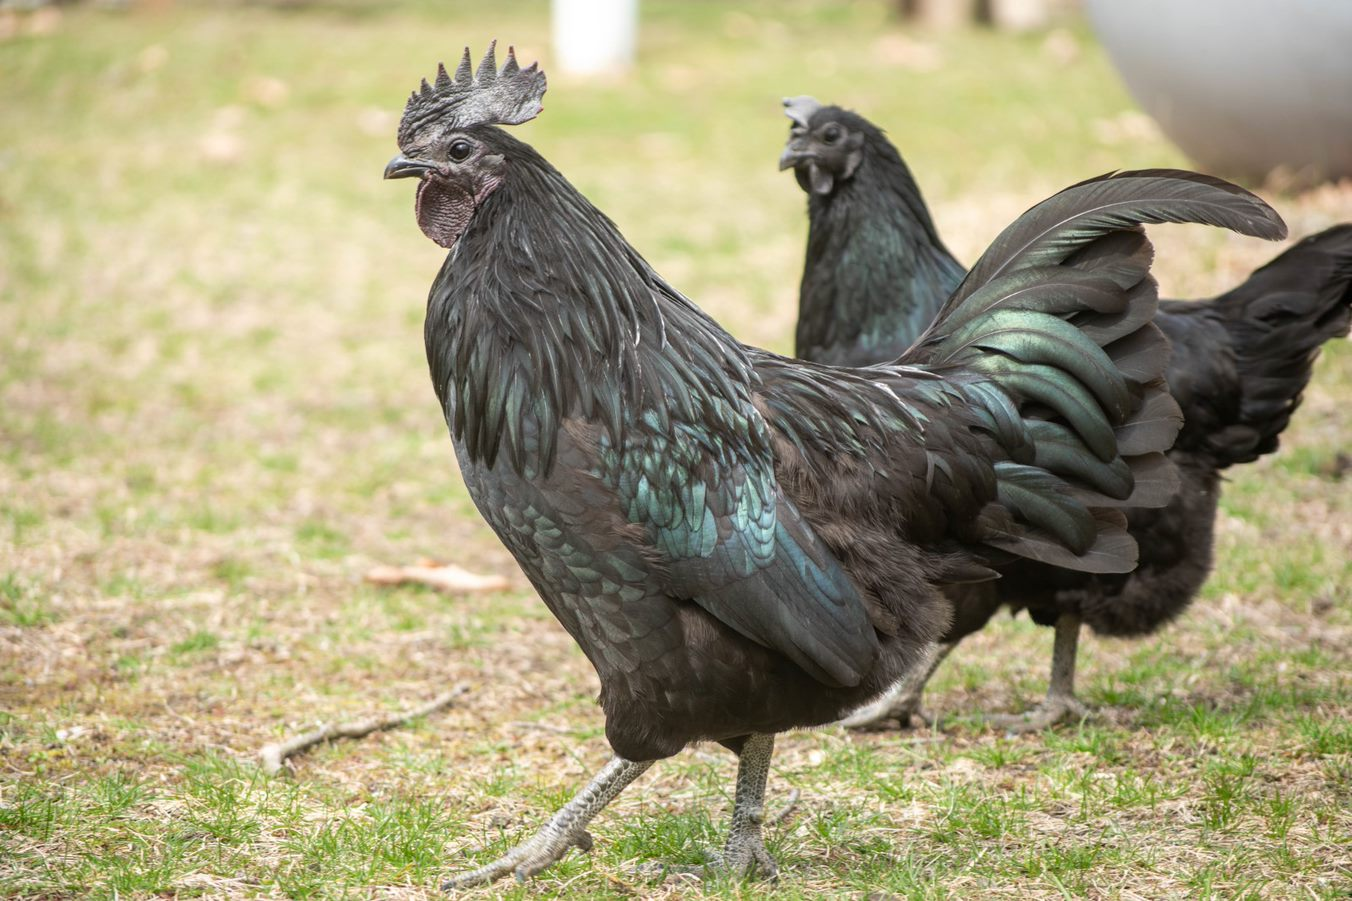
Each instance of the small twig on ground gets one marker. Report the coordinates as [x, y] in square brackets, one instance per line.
[274, 757]
[787, 810]
[542, 727]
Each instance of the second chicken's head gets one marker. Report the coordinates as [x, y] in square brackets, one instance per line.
[826, 144]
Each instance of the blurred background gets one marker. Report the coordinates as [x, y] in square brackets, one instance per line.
[215, 414]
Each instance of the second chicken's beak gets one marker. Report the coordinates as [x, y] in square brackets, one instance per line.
[403, 167]
[794, 153]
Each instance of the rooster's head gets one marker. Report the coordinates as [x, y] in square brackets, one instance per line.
[446, 138]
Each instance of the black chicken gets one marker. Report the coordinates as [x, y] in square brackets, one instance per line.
[742, 543]
[877, 273]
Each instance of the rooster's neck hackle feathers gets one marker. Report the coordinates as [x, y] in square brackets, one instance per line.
[544, 311]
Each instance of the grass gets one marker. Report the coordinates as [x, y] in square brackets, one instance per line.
[214, 417]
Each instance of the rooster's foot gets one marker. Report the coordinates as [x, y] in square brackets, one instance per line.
[546, 847]
[566, 830]
[738, 860]
[744, 855]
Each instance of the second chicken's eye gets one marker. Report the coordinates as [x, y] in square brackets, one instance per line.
[831, 134]
[460, 151]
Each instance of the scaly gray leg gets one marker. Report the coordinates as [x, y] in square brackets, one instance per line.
[567, 829]
[1060, 703]
[745, 851]
[901, 702]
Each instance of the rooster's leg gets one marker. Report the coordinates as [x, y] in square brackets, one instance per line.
[901, 702]
[1060, 704]
[567, 829]
[745, 851]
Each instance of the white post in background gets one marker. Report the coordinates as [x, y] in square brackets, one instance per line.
[595, 36]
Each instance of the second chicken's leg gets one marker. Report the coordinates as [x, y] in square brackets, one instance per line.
[1060, 704]
[901, 702]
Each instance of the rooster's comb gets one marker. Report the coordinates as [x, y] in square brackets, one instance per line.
[484, 96]
[800, 109]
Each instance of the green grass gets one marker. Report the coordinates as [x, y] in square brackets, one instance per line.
[214, 417]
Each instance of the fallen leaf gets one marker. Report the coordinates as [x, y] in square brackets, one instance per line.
[441, 576]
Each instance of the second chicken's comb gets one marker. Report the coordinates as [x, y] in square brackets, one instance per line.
[801, 108]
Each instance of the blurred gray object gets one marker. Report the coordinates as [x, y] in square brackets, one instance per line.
[1244, 87]
[1006, 15]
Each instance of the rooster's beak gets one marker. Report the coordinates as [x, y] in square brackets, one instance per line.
[403, 167]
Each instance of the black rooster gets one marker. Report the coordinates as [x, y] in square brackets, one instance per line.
[742, 543]
[877, 273]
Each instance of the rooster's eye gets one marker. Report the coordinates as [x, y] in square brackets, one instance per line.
[831, 134]
[460, 151]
